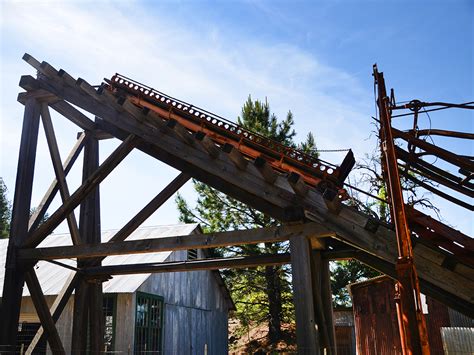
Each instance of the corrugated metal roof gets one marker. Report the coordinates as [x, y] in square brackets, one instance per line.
[52, 277]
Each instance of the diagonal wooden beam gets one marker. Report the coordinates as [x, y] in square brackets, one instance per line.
[35, 237]
[59, 172]
[184, 242]
[56, 309]
[43, 312]
[54, 187]
[151, 207]
[74, 115]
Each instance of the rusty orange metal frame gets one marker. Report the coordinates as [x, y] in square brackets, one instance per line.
[411, 321]
[315, 172]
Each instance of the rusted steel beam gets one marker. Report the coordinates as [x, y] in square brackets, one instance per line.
[447, 232]
[430, 168]
[419, 170]
[416, 104]
[441, 132]
[224, 132]
[414, 337]
[440, 235]
[440, 193]
[431, 149]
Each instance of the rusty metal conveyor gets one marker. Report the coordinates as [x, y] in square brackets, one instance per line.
[225, 133]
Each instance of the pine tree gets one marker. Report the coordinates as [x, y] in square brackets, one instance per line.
[5, 211]
[262, 294]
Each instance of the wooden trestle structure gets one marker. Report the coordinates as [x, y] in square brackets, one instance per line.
[303, 193]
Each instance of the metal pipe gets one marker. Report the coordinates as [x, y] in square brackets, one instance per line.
[413, 334]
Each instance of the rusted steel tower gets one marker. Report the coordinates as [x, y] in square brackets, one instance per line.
[412, 326]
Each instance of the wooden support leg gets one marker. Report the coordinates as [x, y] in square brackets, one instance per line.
[96, 318]
[325, 300]
[316, 278]
[90, 231]
[43, 313]
[14, 273]
[306, 331]
[56, 310]
[80, 318]
[326, 294]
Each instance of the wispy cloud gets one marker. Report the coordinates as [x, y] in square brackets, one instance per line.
[163, 51]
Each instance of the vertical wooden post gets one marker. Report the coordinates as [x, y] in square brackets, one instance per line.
[14, 273]
[326, 295]
[88, 299]
[306, 330]
[320, 314]
[80, 318]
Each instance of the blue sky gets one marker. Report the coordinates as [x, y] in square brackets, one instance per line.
[313, 58]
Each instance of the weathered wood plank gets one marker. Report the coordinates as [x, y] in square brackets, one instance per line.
[14, 273]
[306, 333]
[266, 170]
[185, 242]
[236, 157]
[191, 159]
[298, 184]
[39, 95]
[58, 170]
[191, 265]
[89, 225]
[208, 144]
[36, 236]
[326, 295]
[73, 115]
[43, 312]
[318, 305]
[80, 319]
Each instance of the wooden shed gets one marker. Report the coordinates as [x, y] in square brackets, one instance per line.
[169, 313]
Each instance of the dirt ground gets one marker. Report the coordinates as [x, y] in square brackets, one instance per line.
[255, 340]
